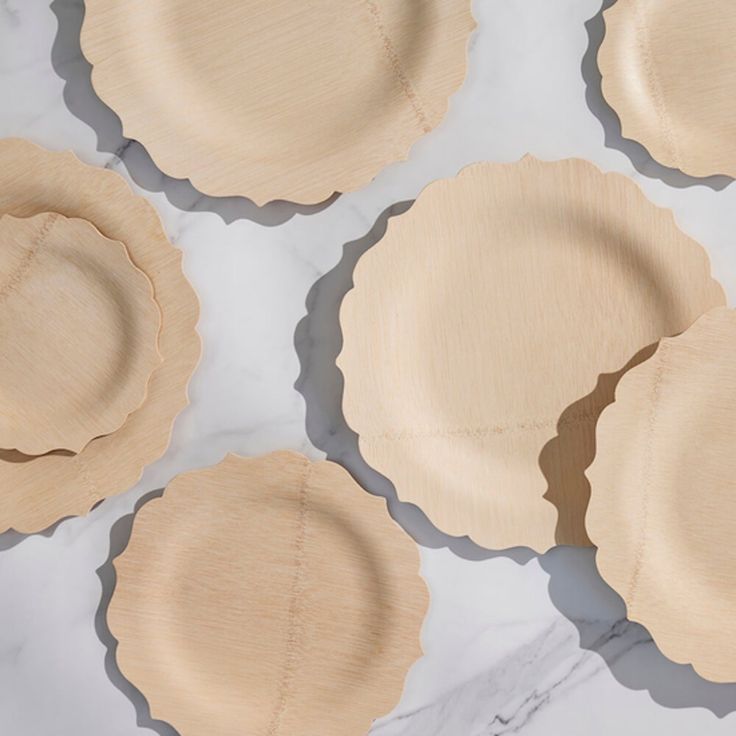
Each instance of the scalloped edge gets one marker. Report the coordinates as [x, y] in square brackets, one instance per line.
[166, 157]
[124, 652]
[662, 643]
[474, 532]
[187, 352]
[613, 92]
[79, 440]
[618, 581]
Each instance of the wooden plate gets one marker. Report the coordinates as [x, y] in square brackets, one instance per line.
[271, 595]
[663, 507]
[38, 491]
[478, 328]
[79, 328]
[669, 72]
[276, 99]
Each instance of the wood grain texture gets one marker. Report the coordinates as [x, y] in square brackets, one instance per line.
[480, 325]
[669, 72]
[663, 508]
[38, 491]
[79, 328]
[270, 596]
[276, 99]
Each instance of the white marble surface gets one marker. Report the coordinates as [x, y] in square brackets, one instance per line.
[514, 643]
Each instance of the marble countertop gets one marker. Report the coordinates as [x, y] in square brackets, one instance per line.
[514, 642]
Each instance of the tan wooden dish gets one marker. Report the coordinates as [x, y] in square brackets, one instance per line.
[276, 99]
[36, 491]
[271, 595]
[479, 326]
[663, 501]
[669, 72]
[79, 328]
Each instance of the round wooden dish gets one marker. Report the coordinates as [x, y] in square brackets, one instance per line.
[478, 329]
[669, 71]
[270, 594]
[36, 491]
[79, 328]
[663, 501]
[277, 99]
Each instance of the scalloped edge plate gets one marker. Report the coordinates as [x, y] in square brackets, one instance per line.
[71, 299]
[467, 347]
[653, 68]
[38, 491]
[319, 100]
[272, 592]
[663, 508]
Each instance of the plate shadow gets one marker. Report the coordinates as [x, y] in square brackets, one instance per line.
[11, 538]
[119, 538]
[565, 458]
[577, 591]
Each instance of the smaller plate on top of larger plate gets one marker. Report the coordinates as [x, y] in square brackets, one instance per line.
[268, 596]
[79, 328]
[669, 70]
[663, 495]
[37, 491]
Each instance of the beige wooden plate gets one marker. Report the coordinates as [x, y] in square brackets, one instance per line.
[663, 501]
[481, 322]
[669, 72]
[277, 99]
[268, 596]
[79, 328]
[38, 491]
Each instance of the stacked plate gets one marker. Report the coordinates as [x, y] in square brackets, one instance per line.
[98, 321]
[81, 329]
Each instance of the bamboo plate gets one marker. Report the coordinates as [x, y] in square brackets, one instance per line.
[276, 99]
[663, 508]
[38, 491]
[79, 327]
[478, 328]
[671, 95]
[267, 596]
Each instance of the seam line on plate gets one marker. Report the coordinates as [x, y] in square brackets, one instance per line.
[644, 41]
[647, 476]
[27, 261]
[398, 69]
[483, 431]
[94, 495]
[295, 609]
